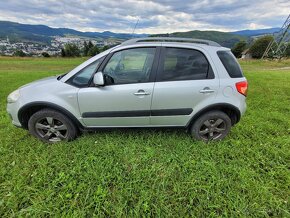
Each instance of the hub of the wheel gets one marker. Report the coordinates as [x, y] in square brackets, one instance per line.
[212, 129]
[51, 129]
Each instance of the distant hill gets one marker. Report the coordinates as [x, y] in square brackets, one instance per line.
[42, 33]
[256, 32]
[223, 38]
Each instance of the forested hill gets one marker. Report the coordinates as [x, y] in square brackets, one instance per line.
[40, 33]
[223, 38]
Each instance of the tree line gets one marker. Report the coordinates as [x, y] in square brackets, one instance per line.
[89, 49]
[256, 49]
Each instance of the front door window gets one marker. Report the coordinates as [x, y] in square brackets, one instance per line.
[129, 66]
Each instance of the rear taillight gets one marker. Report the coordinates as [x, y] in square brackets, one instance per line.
[242, 87]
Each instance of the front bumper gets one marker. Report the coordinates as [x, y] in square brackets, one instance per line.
[12, 110]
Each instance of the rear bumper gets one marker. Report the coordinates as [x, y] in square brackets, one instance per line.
[243, 108]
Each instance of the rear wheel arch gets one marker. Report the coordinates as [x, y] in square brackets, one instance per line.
[29, 109]
[231, 110]
[213, 125]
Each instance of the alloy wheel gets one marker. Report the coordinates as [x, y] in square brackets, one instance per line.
[212, 129]
[51, 129]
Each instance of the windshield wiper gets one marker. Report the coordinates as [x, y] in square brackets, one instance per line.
[61, 76]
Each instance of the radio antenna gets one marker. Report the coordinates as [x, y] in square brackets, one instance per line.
[135, 27]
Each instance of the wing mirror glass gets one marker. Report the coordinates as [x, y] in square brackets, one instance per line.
[99, 79]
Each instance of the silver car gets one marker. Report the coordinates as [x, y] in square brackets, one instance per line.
[145, 82]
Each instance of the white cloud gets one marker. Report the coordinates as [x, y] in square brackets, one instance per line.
[160, 16]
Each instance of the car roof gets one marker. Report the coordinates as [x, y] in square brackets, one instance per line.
[170, 40]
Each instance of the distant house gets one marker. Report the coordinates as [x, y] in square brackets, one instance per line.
[246, 54]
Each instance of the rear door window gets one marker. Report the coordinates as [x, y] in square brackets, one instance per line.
[184, 64]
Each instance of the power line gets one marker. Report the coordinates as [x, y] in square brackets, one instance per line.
[281, 39]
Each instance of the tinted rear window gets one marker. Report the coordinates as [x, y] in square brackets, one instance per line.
[230, 63]
[184, 64]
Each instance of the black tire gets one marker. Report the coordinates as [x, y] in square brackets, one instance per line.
[211, 126]
[52, 126]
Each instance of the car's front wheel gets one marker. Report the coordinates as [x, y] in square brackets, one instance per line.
[213, 125]
[52, 126]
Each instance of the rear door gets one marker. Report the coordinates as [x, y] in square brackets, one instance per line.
[185, 79]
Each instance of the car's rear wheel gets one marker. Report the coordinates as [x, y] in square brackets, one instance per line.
[211, 126]
[52, 126]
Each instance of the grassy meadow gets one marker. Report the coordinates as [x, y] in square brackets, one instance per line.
[150, 172]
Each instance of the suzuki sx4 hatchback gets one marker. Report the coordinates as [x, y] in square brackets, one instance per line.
[145, 82]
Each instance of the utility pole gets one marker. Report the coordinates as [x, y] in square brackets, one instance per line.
[281, 39]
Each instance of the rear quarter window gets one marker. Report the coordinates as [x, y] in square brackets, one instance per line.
[230, 63]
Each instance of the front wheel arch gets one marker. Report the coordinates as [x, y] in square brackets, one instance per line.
[52, 126]
[29, 109]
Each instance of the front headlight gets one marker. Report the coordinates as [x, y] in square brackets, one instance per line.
[13, 96]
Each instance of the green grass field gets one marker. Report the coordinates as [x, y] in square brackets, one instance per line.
[155, 172]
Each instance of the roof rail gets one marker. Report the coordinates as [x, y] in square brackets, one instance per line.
[170, 39]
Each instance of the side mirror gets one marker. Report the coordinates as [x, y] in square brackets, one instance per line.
[99, 79]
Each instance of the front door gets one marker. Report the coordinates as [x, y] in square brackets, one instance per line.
[125, 99]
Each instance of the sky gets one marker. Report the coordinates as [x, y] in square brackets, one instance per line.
[160, 16]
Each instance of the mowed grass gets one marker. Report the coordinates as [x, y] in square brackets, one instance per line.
[150, 172]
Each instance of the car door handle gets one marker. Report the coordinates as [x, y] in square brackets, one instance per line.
[141, 92]
[206, 90]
